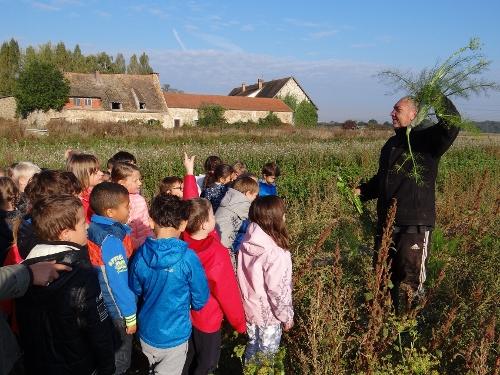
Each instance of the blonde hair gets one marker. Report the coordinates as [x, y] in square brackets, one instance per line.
[82, 166]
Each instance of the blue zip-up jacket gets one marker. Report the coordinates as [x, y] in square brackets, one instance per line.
[170, 281]
[267, 189]
[109, 249]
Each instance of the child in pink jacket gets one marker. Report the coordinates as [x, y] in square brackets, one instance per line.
[128, 175]
[265, 277]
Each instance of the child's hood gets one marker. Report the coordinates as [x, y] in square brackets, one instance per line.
[256, 241]
[237, 202]
[163, 252]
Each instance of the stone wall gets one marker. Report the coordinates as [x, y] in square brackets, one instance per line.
[8, 108]
[40, 119]
[190, 116]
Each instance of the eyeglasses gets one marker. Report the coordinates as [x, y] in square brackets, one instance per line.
[181, 188]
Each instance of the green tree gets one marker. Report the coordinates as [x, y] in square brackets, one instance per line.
[372, 122]
[306, 115]
[144, 63]
[10, 60]
[211, 115]
[62, 59]
[104, 63]
[78, 63]
[119, 64]
[133, 66]
[41, 86]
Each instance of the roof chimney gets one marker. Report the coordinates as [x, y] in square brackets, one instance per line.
[260, 82]
[243, 87]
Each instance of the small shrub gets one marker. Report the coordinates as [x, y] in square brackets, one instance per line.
[211, 115]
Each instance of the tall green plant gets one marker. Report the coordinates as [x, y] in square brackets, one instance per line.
[458, 76]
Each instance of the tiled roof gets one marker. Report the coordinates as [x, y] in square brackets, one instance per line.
[128, 89]
[195, 101]
[269, 89]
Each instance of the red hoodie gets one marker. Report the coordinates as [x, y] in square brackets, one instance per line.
[225, 297]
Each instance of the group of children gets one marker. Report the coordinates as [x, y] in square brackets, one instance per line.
[208, 248]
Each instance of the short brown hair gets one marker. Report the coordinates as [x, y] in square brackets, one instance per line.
[51, 183]
[82, 166]
[52, 215]
[168, 183]
[121, 171]
[199, 211]
[246, 184]
[9, 193]
[271, 169]
[107, 195]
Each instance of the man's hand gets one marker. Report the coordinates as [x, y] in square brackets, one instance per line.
[131, 330]
[288, 325]
[46, 272]
[189, 164]
[357, 191]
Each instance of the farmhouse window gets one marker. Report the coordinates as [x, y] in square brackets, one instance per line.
[116, 105]
[142, 105]
[177, 123]
[88, 102]
[76, 102]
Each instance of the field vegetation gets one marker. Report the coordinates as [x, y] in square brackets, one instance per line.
[344, 320]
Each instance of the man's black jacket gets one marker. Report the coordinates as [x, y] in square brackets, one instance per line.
[64, 327]
[415, 199]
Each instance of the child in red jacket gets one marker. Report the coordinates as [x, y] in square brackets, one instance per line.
[225, 297]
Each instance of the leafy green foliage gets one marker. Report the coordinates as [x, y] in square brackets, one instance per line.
[211, 115]
[41, 86]
[306, 115]
[10, 60]
[345, 186]
[271, 120]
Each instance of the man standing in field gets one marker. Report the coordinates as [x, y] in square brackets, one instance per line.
[416, 212]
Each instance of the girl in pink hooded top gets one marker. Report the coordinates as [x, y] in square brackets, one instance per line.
[128, 175]
[265, 276]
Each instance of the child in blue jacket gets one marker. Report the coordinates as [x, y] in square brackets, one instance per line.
[169, 280]
[110, 247]
[267, 184]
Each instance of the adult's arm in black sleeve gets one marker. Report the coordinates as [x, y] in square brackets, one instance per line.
[370, 190]
[444, 133]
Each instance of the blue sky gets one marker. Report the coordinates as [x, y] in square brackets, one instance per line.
[333, 48]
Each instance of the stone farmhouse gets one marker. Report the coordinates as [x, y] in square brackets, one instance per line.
[183, 108]
[124, 97]
[277, 88]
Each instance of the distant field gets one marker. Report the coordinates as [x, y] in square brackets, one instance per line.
[337, 330]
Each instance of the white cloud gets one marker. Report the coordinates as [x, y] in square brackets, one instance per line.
[218, 42]
[45, 6]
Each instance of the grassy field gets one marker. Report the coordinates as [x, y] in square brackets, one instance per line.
[344, 324]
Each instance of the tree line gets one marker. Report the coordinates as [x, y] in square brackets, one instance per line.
[13, 60]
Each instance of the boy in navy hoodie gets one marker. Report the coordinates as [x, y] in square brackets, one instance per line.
[110, 246]
[169, 280]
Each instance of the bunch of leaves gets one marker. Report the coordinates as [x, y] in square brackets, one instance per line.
[458, 76]
[345, 187]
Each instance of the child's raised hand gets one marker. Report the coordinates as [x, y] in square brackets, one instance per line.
[131, 330]
[189, 164]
